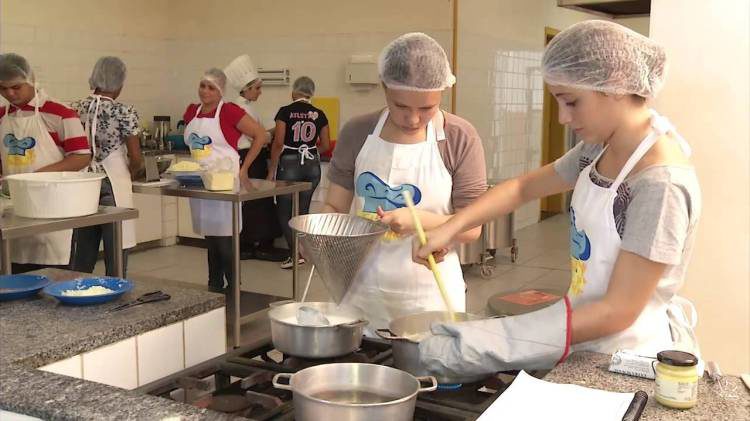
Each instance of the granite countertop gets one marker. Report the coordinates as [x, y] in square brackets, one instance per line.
[38, 331]
[590, 369]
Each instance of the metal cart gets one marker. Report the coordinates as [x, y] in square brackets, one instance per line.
[496, 234]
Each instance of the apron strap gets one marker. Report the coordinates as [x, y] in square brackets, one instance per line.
[303, 151]
[660, 126]
[381, 122]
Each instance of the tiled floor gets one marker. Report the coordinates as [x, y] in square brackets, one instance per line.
[543, 263]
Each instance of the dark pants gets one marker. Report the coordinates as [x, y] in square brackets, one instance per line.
[85, 249]
[220, 266]
[260, 226]
[291, 170]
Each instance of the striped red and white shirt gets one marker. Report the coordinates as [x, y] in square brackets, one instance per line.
[62, 123]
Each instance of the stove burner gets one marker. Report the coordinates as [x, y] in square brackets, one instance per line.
[228, 403]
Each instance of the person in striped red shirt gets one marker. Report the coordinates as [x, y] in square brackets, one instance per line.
[37, 134]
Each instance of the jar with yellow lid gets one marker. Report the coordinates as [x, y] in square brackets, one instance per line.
[676, 379]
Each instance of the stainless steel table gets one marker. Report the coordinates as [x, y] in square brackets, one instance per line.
[14, 226]
[258, 189]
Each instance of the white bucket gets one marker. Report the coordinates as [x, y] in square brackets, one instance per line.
[55, 194]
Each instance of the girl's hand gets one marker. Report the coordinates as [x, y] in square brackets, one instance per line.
[439, 242]
[398, 220]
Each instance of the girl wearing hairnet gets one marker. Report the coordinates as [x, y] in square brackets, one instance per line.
[300, 126]
[261, 226]
[413, 145]
[38, 134]
[213, 130]
[112, 128]
[633, 216]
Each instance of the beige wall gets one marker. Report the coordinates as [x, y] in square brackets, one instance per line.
[707, 97]
[500, 88]
[62, 43]
[167, 44]
[316, 43]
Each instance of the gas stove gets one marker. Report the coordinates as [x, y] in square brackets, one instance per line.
[239, 383]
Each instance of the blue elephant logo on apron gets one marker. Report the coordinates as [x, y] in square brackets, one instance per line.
[580, 251]
[200, 146]
[20, 151]
[377, 192]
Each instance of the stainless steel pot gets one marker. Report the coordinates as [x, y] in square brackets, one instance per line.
[405, 334]
[315, 341]
[353, 392]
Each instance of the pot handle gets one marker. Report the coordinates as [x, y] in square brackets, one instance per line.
[388, 335]
[288, 376]
[280, 303]
[429, 388]
[356, 323]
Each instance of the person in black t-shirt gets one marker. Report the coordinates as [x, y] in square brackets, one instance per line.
[294, 154]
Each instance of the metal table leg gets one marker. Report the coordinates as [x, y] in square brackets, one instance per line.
[5, 252]
[117, 240]
[295, 245]
[235, 288]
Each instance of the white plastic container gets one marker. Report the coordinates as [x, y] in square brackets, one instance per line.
[64, 194]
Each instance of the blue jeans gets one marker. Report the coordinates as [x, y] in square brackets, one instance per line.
[85, 249]
[291, 170]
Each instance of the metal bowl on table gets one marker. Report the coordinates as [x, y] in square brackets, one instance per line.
[354, 392]
[341, 337]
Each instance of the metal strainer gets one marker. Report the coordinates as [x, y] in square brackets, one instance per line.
[337, 244]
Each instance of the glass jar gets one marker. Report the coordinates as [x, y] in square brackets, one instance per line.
[676, 379]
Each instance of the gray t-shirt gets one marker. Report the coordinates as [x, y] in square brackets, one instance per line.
[656, 210]
[461, 151]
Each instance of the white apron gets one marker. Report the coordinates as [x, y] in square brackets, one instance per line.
[389, 284]
[26, 147]
[208, 146]
[115, 165]
[595, 246]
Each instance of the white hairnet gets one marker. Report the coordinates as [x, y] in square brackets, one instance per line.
[108, 74]
[415, 62]
[240, 72]
[217, 78]
[15, 68]
[606, 57]
[304, 85]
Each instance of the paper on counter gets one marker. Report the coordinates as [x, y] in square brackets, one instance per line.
[529, 398]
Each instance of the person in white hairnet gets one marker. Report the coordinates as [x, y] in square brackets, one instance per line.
[260, 224]
[633, 216]
[410, 145]
[38, 134]
[301, 129]
[212, 132]
[112, 128]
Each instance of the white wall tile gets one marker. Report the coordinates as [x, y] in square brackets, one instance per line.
[68, 367]
[205, 336]
[161, 352]
[114, 365]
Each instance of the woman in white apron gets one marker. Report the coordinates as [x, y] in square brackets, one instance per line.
[635, 206]
[212, 132]
[402, 153]
[112, 128]
[28, 146]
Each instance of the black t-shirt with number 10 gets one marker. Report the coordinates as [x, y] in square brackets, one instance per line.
[304, 122]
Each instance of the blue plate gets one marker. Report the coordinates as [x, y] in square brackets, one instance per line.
[13, 287]
[117, 285]
[189, 180]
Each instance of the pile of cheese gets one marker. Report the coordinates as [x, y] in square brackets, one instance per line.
[183, 166]
[88, 292]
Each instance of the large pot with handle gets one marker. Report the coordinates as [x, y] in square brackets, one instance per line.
[406, 332]
[353, 392]
[341, 336]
